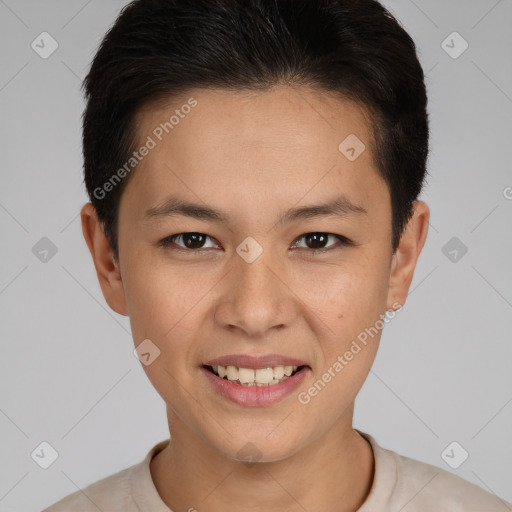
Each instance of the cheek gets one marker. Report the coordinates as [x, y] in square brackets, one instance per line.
[347, 303]
[163, 305]
[349, 294]
[160, 299]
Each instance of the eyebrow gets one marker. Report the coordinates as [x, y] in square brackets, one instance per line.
[174, 206]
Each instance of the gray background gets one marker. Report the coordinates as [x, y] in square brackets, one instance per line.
[68, 375]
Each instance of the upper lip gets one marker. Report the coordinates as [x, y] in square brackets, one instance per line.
[248, 361]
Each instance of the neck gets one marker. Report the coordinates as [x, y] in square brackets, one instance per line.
[335, 472]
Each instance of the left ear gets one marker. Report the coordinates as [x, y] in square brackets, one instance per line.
[406, 255]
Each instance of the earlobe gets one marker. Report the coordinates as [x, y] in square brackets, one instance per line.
[406, 255]
[107, 269]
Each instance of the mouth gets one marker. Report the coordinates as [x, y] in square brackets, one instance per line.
[259, 377]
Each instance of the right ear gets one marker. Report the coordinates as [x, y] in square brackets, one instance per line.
[109, 275]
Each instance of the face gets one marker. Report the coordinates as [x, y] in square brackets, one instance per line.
[253, 269]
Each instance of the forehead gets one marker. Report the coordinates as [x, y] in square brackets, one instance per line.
[281, 117]
[282, 141]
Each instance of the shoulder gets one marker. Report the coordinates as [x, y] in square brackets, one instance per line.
[427, 487]
[129, 490]
[112, 493]
[409, 485]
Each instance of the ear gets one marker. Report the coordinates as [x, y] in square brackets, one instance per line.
[109, 275]
[406, 255]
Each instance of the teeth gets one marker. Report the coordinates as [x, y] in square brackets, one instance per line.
[245, 375]
[278, 372]
[255, 377]
[263, 375]
[231, 372]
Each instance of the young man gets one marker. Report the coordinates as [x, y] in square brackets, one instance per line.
[253, 168]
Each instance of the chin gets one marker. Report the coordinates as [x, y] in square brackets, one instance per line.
[258, 448]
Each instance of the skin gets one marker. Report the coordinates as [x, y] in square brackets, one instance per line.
[255, 156]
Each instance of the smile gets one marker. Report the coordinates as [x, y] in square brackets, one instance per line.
[260, 377]
[241, 385]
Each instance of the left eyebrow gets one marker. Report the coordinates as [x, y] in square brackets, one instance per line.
[174, 206]
[339, 206]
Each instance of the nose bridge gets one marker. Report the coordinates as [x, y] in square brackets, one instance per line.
[255, 299]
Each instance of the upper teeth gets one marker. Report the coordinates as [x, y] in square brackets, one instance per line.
[270, 375]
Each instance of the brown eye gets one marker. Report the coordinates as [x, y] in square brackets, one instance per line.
[317, 241]
[192, 241]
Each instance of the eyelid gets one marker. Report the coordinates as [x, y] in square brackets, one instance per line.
[343, 240]
[168, 242]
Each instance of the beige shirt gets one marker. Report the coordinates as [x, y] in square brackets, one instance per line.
[399, 484]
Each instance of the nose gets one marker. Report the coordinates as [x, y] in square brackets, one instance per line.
[255, 298]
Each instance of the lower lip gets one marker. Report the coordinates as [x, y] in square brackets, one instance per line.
[255, 395]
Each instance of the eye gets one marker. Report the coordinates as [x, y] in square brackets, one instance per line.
[190, 240]
[193, 242]
[316, 239]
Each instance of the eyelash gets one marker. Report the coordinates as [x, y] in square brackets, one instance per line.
[343, 241]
